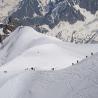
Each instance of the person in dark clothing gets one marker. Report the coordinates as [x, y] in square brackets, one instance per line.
[92, 53]
[77, 61]
[52, 69]
[72, 63]
[32, 68]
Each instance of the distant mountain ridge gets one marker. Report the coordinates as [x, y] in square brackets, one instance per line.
[32, 12]
[70, 20]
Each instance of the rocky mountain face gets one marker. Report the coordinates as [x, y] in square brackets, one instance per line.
[51, 13]
[31, 12]
[7, 7]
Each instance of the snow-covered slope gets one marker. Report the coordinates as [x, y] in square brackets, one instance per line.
[78, 81]
[26, 48]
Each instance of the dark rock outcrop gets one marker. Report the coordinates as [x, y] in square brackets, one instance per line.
[30, 12]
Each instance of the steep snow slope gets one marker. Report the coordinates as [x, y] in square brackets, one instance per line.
[20, 40]
[26, 48]
[78, 81]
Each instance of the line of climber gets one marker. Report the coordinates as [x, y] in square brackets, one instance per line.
[32, 68]
[86, 57]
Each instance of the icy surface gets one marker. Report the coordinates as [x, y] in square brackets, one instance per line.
[26, 48]
[78, 81]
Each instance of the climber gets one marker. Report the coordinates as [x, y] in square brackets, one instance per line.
[72, 63]
[32, 68]
[77, 61]
[92, 53]
[52, 69]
